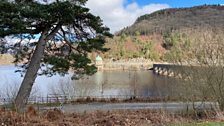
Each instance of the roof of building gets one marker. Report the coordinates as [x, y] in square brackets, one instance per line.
[98, 58]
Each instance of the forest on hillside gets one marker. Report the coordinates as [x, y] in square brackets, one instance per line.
[175, 19]
[157, 36]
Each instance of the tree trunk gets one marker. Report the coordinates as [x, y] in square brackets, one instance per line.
[31, 74]
[34, 65]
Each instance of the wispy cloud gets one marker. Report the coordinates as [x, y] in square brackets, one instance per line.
[116, 15]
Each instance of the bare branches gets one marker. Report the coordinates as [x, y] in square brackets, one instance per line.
[206, 65]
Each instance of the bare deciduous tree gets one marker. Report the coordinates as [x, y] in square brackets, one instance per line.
[204, 67]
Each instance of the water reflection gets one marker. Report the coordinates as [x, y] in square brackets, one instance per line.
[101, 84]
[115, 83]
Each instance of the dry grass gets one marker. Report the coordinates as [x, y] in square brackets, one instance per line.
[110, 118]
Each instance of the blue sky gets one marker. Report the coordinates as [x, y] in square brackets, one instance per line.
[178, 3]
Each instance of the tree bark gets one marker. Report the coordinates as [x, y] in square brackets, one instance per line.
[31, 74]
[34, 65]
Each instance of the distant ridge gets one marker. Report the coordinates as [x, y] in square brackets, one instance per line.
[174, 19]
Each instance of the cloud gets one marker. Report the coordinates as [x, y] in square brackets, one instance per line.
[116, 15]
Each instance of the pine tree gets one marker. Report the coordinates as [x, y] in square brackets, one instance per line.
[58, 37]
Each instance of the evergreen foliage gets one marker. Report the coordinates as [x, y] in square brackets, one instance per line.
[53, 37]
[80, 32]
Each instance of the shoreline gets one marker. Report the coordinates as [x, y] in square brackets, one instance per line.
[105, 65]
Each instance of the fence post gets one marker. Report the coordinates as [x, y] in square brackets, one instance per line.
[47, 99]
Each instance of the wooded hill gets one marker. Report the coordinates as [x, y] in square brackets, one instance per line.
[154, 36]
[167, 20]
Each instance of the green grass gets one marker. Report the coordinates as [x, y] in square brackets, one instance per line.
[199, 124]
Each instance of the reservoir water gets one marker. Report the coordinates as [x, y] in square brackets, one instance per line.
[101, 84]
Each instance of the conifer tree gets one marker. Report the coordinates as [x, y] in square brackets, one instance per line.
[55, 36]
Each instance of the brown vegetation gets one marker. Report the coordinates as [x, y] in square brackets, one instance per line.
[31, 111]
[146, 37]
[129, 47]
[205, 73]
[110, 118]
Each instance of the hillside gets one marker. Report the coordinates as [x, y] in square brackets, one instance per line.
[157, 36]
[129, 47]
[175, 19]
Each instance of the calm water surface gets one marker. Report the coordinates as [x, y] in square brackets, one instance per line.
[102, 84]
